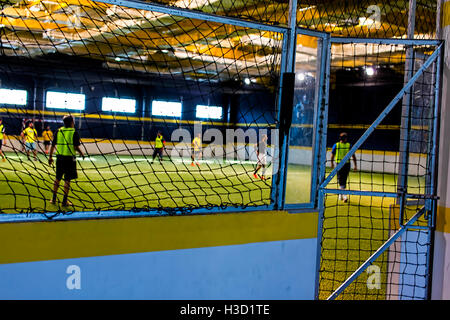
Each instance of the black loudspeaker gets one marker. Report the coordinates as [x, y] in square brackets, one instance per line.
[287, 101]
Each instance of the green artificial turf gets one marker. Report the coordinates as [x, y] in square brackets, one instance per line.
[352, 231]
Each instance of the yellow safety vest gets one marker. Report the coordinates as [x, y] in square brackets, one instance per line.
[64, 142]
[159, 142]
[342, 148]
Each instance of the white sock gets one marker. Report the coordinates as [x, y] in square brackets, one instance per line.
[342, 196]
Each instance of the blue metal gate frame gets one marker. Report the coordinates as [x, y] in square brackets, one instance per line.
[318, 179]
[430, 207]
[278, 189]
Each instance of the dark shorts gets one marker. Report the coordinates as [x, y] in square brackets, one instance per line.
[66, 167]
[47, 143]
[1, 144]
[342, 175]
[158, 151]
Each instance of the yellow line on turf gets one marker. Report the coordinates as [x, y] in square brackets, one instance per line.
[139, 142]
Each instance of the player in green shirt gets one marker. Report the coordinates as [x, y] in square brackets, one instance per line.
[66, 142]
[338, 152]
[159, 147]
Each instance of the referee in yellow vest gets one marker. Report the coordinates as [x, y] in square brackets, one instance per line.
[159, 147]
[338, 152]
[65, 142]
[197, 149]
[2, 139]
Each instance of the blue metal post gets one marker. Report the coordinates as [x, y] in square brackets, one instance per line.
[405, 128]
[321, 111]
[275, 191]
[321, 132]
[289, 67]
[436, 128]
[432, 209]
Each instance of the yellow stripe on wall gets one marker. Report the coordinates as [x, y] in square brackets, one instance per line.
[443, 219]
[192, 122]
[38, 241]
[446, 14]
[30, 112]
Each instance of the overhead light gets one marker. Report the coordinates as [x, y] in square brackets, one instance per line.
[301, 76]
[370, 71]
[306, 8]
[165, 51]
[111, 11]
[35, 8]
[247, 81]
[117, 59]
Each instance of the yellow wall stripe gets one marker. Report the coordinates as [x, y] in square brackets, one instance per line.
[446, 14]
[443, 219]
[30, 112]
[38, 241]
[192, 122]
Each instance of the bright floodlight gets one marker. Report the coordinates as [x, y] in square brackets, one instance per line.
[12, 96]
[118, 105]
[209, 112]
[301, 76]
[64, 100]
[166, 108]
[247, 81]
[370, 71]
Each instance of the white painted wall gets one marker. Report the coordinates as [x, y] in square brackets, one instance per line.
[441, 264]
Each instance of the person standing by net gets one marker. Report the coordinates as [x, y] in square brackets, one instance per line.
[197, 149]
[30, 138]
[338, 152]
[66, 142]
[261, 153]
[159, 147]
[47, 136]
[2, 139]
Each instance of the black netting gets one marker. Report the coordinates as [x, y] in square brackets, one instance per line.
[124, 75]
[365, 79]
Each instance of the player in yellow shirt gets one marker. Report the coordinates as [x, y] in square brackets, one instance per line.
[159, 147]
[47, 135]
[197, 149]
[30, 137]
[2, 139]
